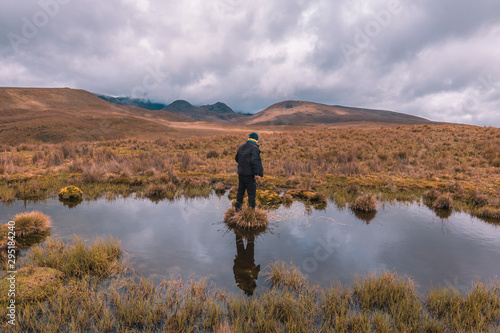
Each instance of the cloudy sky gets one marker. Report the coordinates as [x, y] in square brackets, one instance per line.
[435, 59]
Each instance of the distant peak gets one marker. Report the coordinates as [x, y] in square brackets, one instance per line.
[288, 104]
[181, 102]
[218, 108]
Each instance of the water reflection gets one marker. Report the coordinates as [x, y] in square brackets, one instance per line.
[71, 203]
[366, 217]
[245, 271]
[443, 213]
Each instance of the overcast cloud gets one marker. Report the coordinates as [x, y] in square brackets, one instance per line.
[435, 59]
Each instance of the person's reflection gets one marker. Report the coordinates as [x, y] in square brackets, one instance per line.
[245, 270]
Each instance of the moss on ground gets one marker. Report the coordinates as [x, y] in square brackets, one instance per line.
[31, 284]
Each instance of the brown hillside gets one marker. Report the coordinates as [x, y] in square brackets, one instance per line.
[62, 114]
[296, 113]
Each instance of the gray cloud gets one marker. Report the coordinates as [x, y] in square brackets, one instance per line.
[433, 59]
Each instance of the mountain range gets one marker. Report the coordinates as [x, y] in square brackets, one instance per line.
[218, 112]
[290, 113]
[63, 114]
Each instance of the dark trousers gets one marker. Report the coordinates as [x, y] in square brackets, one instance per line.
[249, 184]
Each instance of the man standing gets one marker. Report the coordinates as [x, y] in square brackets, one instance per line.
[249, 170]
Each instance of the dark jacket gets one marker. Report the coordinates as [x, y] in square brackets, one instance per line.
[248, 158]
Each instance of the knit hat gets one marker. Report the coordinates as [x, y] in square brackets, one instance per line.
[254, 136]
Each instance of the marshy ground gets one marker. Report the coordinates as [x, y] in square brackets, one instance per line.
[461, 163]
[89, 288]
[449, 167]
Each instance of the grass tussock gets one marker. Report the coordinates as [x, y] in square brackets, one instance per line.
[287, 200]
[489, 213]
[477, 311]
[283, 275]
[157, 192]
[30, 223]
[431, 195]
[246, 218]
[219, 188]
[390, 294]
[366, 203]
[78, 258]
[29, 229]
[444, 202]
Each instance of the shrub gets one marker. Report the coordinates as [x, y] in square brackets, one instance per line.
[365, 203]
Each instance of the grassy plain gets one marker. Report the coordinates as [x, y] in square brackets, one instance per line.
[458, 164]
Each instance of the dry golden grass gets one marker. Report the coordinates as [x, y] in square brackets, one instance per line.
[399, 162]
[29, 228]
[444, 201]
[246, 218]
[366, 203]
[71, 288]
[31, 223]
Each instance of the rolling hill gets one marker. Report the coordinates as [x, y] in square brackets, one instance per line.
[62, 114]
[295, 113]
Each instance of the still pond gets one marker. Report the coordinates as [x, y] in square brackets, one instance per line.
[188, 237]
